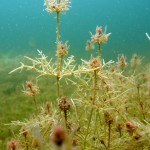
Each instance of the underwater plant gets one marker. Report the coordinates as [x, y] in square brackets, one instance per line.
[100, 37]
[100, 113]
[147, 36]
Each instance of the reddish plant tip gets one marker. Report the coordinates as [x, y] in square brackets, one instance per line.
[62, 46]
[12, 145]
[130, 127]
[29, 84]
[94, 63]
[58, 136]
[122, 58]
[53, 6]
[24, 132]
[122, 62]
[135, 56]
[119, 126]
[108, 118]
[98, 30]
[74, 142]
[89, 45]
[102, 142]
[35, 143]
[48, 105]
[136, 136]
[113, 68]
[31, 90]
[62, 49]
[63, 104]
[88, 42]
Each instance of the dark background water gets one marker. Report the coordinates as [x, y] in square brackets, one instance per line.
[25, 26]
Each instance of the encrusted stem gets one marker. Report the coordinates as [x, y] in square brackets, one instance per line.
[47, 130]
[58, 87]
[120, 133]
[93, 102]
[95, 86]
[99, 49]
[26, 142]
[57, 45]
[65, 115]
[141, 102]
[35, 104]
[57, 28]
[61, 62]
[109, 134]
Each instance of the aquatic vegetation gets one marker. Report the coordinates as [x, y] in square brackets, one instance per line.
[108, 109]
[89, 45]
[62, 49]
[147, 36]
[135, 61]
[57, 5]
[31, 91]
[12, 145]
[99, 37]
[58, 136]
[122, 62]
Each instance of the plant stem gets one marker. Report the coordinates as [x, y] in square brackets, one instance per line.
[87, 131]
[65, 115]
[47, 130]
[61, 62]
[109, 131]
[59, 66]
[26, 143]
[140, 102]
[93, 102]
[57, 44]
[35, 104]
[96, 119]
[120, 133]
[57, 28]
[58, 87]
[99, 49]
[95, 86]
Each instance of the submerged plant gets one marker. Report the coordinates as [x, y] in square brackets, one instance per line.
[122, 62]
[147, 36]
[100, 113]
[12, 145]
[100, 37]
[58, 136]
[31, 91]
[64, 105]
[89, 45]
[57, 5]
